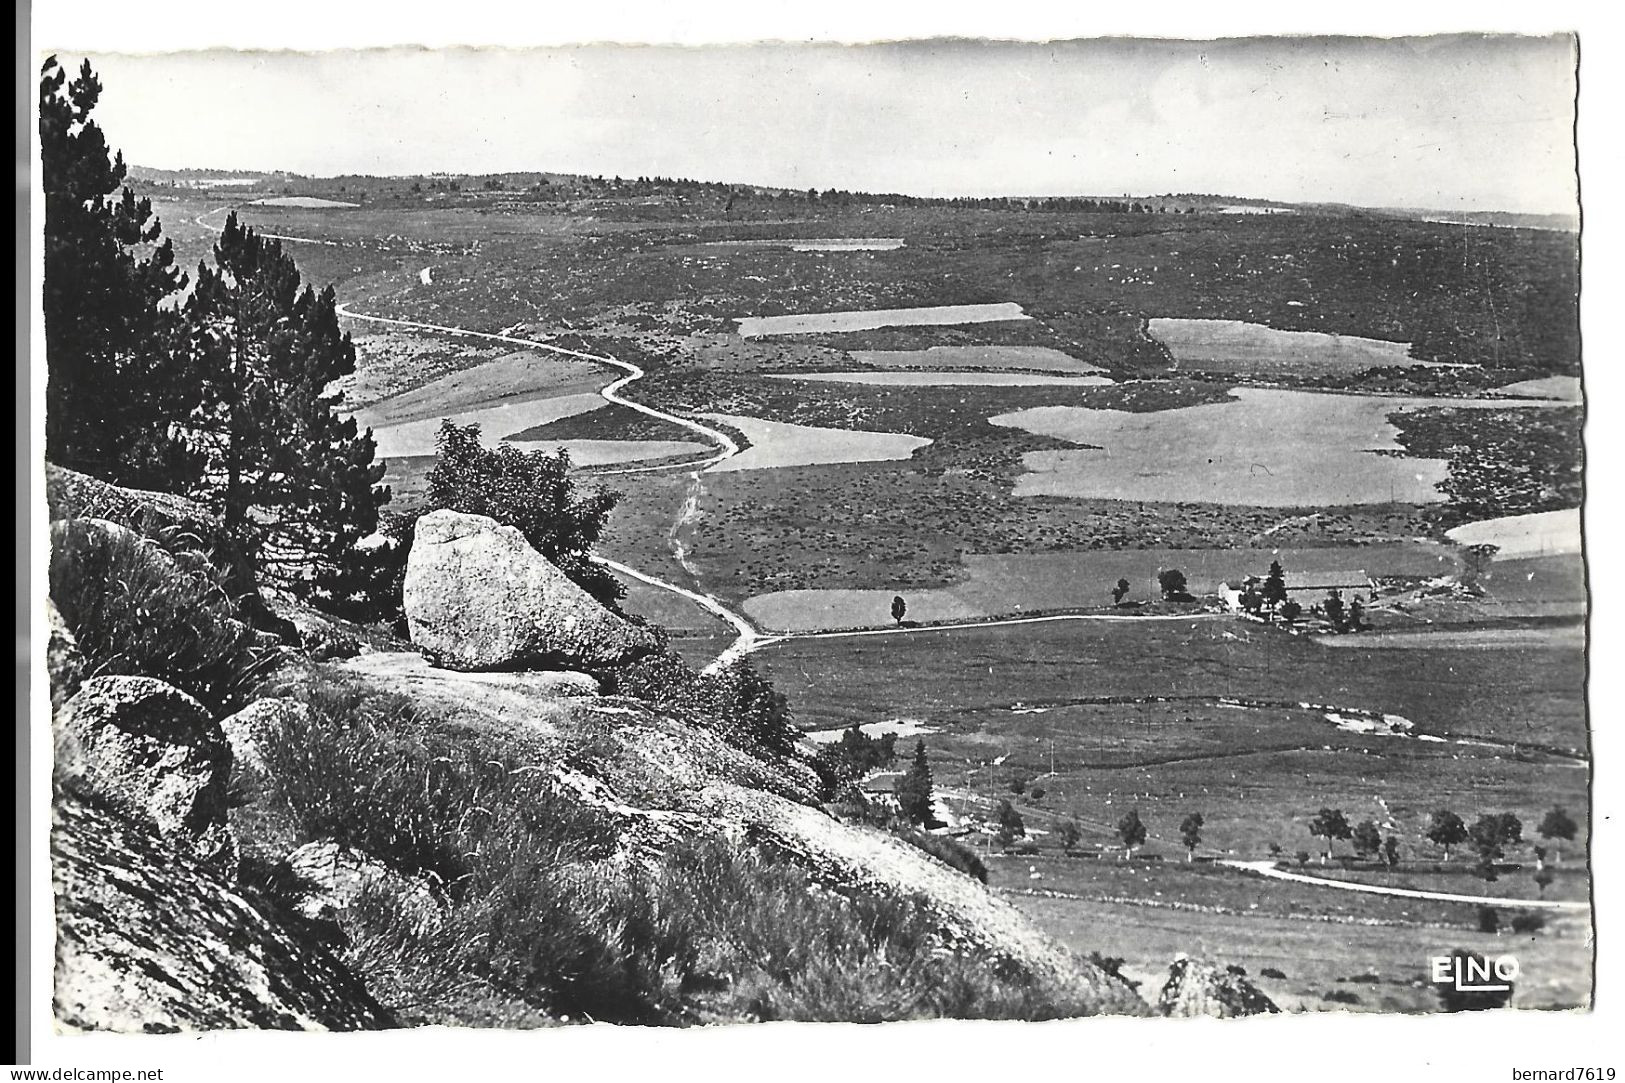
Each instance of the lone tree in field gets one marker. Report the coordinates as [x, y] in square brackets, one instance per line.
[1173, 585]
[1120, 591]
[288, 474]
[914, 791]
[1068, 834]
[1274, 590]
[1560, 827]
[1475, 561]
[1446, 829]
[1132, 831]
[1329, 824]
[1367, 838]
[117, 373]
[898, 608]
[531, 491]
[1190, 832]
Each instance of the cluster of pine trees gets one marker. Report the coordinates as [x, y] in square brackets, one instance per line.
[221, 388]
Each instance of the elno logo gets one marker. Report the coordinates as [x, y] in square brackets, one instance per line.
[1474, 973]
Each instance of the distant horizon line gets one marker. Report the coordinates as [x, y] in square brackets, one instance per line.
[210, 171]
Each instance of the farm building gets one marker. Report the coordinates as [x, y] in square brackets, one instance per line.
[1308, 589]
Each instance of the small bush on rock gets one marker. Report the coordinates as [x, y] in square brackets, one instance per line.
[531, 491]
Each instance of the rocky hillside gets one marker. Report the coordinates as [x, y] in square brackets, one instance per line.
[481, 827]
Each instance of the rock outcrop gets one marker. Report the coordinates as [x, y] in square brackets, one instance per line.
[150, 940]
[1197, 987]
[247, 730]
[334, 877]
[665, 781]
[152, 750]
[478, 597]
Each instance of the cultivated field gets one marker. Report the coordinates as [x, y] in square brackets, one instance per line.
[1265, 448]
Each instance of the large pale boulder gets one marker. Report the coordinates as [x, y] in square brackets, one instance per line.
[478, 597]
[1196, 987]
[148, 939]
[152, 750]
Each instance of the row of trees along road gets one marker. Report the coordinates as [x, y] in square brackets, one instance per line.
[224, 394]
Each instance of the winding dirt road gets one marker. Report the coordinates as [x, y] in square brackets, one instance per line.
[1268, 869]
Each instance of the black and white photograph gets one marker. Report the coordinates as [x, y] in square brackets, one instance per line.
[703, 535]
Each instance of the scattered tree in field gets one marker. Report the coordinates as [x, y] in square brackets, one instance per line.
[1489, 920]
[1356, 613]
[1132, 831]
[1446, 829]
[1274, 590]
[1390, 851]
[1302, 858]
[117, 371]
[1367, 838]
[1190, 832]
[1011, 825]
[1543, 879]
[1018, 782]
[1290, 611]
[1173, 585]
[915, 798]
[531, 491]
[1068, 834]
[1329, 824]
[898, 608]
[1333, 606]
[1275, 849]
[1560, 827]
[1120, 591]
[1494, 832]
[287, 472]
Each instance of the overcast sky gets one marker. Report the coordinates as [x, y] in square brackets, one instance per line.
[1465, 123]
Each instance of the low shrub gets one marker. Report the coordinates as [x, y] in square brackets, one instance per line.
[737, 702]
[1272, 972]
[139, 610]
[950, 852]
[1528, 922]
[1340, 996]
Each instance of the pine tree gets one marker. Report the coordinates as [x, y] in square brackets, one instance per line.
[116, 381]
[914, 793]
[1274, 591]
[289, 476]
